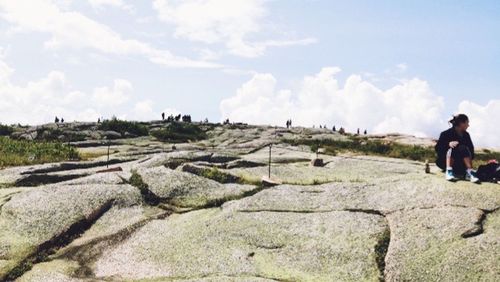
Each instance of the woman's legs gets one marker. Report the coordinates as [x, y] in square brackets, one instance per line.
[449, 175]
[462, 167]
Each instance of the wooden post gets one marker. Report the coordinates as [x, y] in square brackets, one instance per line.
[107, 163]
[269, 172]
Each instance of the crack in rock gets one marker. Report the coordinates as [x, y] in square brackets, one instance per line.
[41, 179]
[76, 165]
[478, 228]
[89, 252]
[49, 247]
[381, 249]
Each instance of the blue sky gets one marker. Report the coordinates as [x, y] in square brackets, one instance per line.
[256, 61]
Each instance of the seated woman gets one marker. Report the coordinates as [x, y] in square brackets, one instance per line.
[455, 150]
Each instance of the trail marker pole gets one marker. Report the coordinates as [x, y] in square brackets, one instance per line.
[107, 163]
[269, 172]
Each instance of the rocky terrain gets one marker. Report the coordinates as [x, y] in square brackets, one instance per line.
[198, 211]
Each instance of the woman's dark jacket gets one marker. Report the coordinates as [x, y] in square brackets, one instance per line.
[445, 138]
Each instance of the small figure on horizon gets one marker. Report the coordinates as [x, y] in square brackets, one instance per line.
[56, 120]
[62, 120]
[162, 116]
[290, 122]
[358, 131]
[186, 118]
[320, 126]
[334, 129]
[178, 117]
[206, 120]
[342, 130]
[366, 132]
[98, 120]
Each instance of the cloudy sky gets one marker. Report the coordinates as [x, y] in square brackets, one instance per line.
[382, 65]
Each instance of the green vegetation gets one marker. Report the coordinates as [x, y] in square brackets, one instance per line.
[148, 196]
[219, 176]
[364, 146]
[368, 147]
[486, 155]
[6, 130]
[122, 126]
[20, 152]
[177, 132]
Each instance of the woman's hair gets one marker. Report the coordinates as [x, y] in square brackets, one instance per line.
[459, 119]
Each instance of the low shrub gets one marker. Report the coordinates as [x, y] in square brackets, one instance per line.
[6, 130]
[122, 126]
[368, 147]
[177, 132]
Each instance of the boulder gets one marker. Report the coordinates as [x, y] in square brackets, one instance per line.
[334, 246]
[186, 190]
[35, 220]
[443, 244]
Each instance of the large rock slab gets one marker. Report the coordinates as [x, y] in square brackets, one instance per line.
[384, 196]
[174, 158]
[337, 169]
[39, 216]
[72, 262]
[186, 190]
[429, 245]
[331, 246]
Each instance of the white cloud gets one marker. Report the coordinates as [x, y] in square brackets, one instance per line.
[483, 122]
[402, 67]
[99, 4]
[41, 100]
[143, 110]
[409, 107]
[221, 21]
[72, 29]
[114, 96]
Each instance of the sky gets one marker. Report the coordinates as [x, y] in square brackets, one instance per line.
[385, 66]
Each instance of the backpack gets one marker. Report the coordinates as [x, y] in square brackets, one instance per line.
[489, 172]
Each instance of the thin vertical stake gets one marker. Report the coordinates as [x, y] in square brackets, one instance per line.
[269, 173]
[107, 163]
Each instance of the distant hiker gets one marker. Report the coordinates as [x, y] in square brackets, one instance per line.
[320, 126]
[334, 129]
[99, 120]
[186, 118]
[287, 124]
[290, 122]
[342, 130]
[178, 117]
[358, 131]
[366, 132]
[162, 116]
[56, 120]
[455, 150]
[62, 120]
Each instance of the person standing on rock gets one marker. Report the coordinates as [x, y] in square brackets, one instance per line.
[455, 150]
